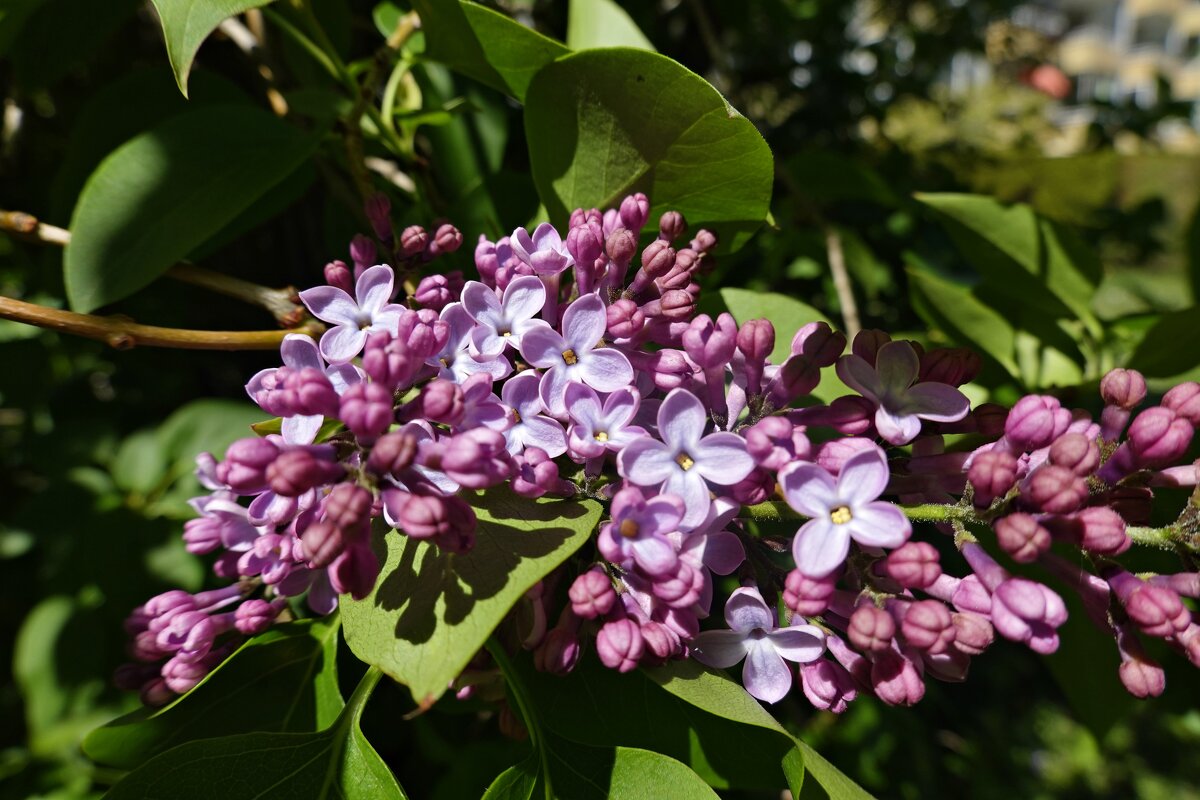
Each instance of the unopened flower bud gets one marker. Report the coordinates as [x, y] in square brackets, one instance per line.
[755, 341]
[867, 343]
[774, 442]
[536, 474]
[1021, 537]
[1142, 677]
[348, 505]
[1076, 452]
[477, 458]
[621, 245]
[707, 344]
[676, 305]
[446, 239]
[705, 241]
[362, 253]
[294, 472]
[950, 365]
[992, 474]
[413, 241]
[245, 466]
[927, 626]
[1158, 437]
[625, 319]
[832, 455]
[388, 362]
[972, 632]
[871, 629]
[339, 275]
[619, 645]
[807, 596]
[671, 226]
[1157, 610]
[379, 213]
[354, 571]
[1055, 490]
[989, 419]
[895, 679]
[1035, 421]
[1184, 400]
[660, 642]
[422, 333]
[255, 616]
[827, 685]
[559, 652]
[366, 408]
[1123, 388]
[592, 594]
[657, 259]
[442, 401]
[1098, 529]
[322, 542]
[433, 292]
[913, 565]
[819, 343]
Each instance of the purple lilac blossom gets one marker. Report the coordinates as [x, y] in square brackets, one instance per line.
[353, 318]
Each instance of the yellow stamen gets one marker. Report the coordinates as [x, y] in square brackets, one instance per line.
[840, 515]
[685, 461]
[570, 357]
[628, 528]
[601, 436]
[516, 417]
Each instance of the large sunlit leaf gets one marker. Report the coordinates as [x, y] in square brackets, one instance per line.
[336, 764]
[604, 123]
[168, 190]
[432, 611]
[620, 773]
[187, 23]
[284, 680]
[484, 44]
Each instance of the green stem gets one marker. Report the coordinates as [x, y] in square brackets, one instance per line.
[1162, 538]
[362, 692]
[776, 511]
[524, 705]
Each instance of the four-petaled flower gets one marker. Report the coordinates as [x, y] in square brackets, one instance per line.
[529, 426]
[353, 318]
[638, 531]
[901, 405]
[500, 323]
[841, 510]
[686, 460]
[455, 362]
[544, 250]
[753, 636]
[597, 428]
[576, 354]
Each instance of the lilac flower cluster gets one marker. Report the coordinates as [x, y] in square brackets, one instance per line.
[578, 367]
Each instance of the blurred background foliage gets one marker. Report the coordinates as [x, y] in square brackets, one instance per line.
[858, 103]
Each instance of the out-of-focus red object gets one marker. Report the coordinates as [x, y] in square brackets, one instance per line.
[1047, 79]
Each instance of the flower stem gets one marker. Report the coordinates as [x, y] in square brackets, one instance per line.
[524, 705]
[124, 334]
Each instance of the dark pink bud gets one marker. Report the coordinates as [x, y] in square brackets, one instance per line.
[1157, 610]
[680, 590]
[993, 473]
[422, 333]
[913, 565]
[669, 369]
[755, 488]
[1123, 388]
[989, 419]
[950, 365]
[348, 505]
[798, 376]
[851, 415]
[339, 275]
[705, 241]
[388, 362]
[477, 458]
[1184, 400]
[486, 260]
[807, 596]
[671, 226]
[832, 455]
[592, 594]
[774, 442]
[1158, 437]
[827, 685]
[433, 292]
[559, 652]
[707, 344]
[1034, 422]
[442, 401]
[660, 643]
[676, 305]
[536, 474]
[1142, 677]
[1021, 537]
[322, 542]
[367, 410]
[619, 645]
[1076, 452]
[755, 341]
[867, 343]
[927, 626]
[413, 241]
[585, 243]
[621, 246]
[427, 516]
[657, 259]
[245, 466]
[871, 629]
[294, 472]
[896, 680]
[354, 571]
[1055, 490]
[392, 453]
[379, 213]
[1102, 531]
[972, 632]
[625, 319]
[446, 239]
[255, 616]
[634, 211]
[819, 343]
[362, 253]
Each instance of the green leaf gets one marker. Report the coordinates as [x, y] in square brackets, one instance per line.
[787, 314]
[957, 311]
[431, 611]
[602, 23]
[620, 773]
[284, 680]
[825, 178]
[1168, 348]
[484, 44]
[158, 196]
[604, 123]
[187, 23]
[336, 763]
[599, 707]
[1022, 256]
[515, 783]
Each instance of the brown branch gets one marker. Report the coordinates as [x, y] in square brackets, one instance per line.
[281, 303]
[123, 333]
[249, 43]
[841, 281]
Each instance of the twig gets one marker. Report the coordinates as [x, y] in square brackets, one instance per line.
[281, 303]
[250, 44]
[841, 281]
[124, 334]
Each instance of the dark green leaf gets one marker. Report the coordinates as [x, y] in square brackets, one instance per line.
[1168, 348]
[336, 763]
[604, 123]
[954, 309]
[168, 190]
[1192, 252]
[824, 177]
[516, 782]
[620, 773]
[484, 44]
[432, 611]
[602, 23]
[187, 23]
[284, 680]
[58, 37]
